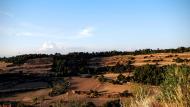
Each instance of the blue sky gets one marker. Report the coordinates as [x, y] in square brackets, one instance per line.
[49, 26]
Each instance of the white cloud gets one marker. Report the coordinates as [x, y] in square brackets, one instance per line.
[86, 32]
[47, 46]
[50, 48]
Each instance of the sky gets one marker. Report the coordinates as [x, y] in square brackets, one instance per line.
[49, 26]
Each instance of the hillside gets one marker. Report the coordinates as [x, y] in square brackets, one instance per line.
[31, 66]
[44, 65]
[139, 60]
[33, 79]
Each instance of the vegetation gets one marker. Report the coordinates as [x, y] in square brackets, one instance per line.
[174, 80]
[179, 60]
[157, 60]
[89, 104]
[59, 88]
[126, 94]
[113, 103]
[149, 74]
[13, 104]
[121, 79]
[93, 93]
[141, 98]
[20, 59]
[73, 103]
[76, 65]
[169, 56]
[175, 90]
[77, 62]
[176, 86]
[147, 60]
[102, 79]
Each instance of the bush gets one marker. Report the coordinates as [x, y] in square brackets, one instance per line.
[72, 103]
[176, 86]
[116, 82]
[59, 88]
[169, 56]
[126, 94]
[93, 93]
[89, 104]
[178, 60]
[114, 103]
[102, 78]
[145, 57]
[149, 74]
[147, 60]
[122, 79]
[157, 60]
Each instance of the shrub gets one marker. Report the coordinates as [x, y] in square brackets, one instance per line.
[169, 56]
[158, 60]
[102, 78]
[116, 82]
[178, 60]
[149, 74]
[145, 57]
[176, 86]
[121, 77]
[72, 103]
[89, 104]
[126, 94]
[59, 88]
[141, 98]
[93, 93]
[131, 58]
[114, 103]
[147, 60]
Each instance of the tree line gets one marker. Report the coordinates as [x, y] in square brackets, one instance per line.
[19, 59]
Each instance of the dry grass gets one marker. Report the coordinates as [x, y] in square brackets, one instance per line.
[140, 59]
[114, 75]
[3, 65]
